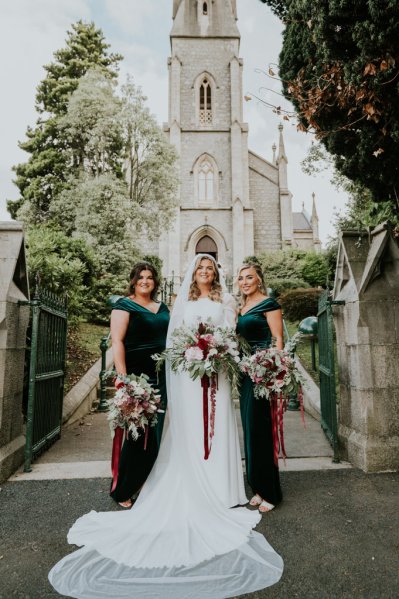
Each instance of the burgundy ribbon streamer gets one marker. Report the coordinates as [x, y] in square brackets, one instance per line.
[116, 452]
[205, 387]
[277, 409]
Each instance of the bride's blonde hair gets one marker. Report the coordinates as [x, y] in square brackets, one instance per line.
[215, 293]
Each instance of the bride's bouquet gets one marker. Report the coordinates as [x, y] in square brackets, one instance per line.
[203, 352]
[276, 377]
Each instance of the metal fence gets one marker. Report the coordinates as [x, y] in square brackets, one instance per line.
[328, 398]
[46, 372]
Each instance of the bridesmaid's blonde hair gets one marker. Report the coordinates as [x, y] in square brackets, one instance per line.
[215, 293]
[262, 285]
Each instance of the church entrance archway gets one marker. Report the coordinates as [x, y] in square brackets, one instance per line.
[206, 245]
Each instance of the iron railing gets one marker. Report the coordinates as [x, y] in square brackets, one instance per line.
[328, 398]
[103, 404]
[46, 372]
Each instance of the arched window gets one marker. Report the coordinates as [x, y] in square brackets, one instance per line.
[206, 183]
[205, 103]
[205, 8]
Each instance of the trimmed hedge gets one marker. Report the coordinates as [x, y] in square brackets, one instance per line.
[280, 286]
[298, 304]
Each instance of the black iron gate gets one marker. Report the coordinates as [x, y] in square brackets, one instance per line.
[46, 372]
[328, 398]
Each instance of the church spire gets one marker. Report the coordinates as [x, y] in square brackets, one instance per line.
[315, 224]
[205, 18]
[281, 149]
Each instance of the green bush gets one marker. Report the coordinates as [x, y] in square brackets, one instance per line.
[311, 267]
[315, 269]
[97, 303]
[62, 264]
[253, 259]
[280, 286]
[300, 303]
[282, 264]
[155, 261]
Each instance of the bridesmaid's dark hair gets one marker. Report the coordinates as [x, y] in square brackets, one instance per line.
[135, 274]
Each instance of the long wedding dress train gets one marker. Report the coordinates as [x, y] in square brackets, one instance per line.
[183, 539]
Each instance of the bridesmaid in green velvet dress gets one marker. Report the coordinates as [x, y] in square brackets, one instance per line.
[138, 329]
[259, 320]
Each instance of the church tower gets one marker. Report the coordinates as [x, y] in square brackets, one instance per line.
[206, 126]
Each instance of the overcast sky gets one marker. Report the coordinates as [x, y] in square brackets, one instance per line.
[31, 30]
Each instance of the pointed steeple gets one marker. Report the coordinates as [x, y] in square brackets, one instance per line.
[205, 18]
[314, 210]
[274, 148]
[314, 221]
[281, 149]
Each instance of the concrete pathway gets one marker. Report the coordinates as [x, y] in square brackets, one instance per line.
[84, 450]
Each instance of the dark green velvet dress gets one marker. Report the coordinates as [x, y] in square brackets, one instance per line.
[262, 473]
[145, 336]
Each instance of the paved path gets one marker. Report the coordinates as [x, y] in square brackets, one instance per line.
[84, 450]
[337, 528]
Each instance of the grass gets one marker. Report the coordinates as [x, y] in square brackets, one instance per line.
[83, 350]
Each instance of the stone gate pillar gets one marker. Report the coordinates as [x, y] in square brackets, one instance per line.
[367, 330]
[14, 321]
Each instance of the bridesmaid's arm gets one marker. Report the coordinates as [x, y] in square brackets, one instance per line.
[275, 322]
[119, 324]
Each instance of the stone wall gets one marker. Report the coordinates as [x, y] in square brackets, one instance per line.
[14, 320]
[367, 330]
[265, 200]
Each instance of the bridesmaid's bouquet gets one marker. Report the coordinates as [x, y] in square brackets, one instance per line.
[273, 371]
[135, 405]
[203, 352]
[276, 377]
[134, 408]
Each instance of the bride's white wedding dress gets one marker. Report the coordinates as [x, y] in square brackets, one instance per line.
[183, 538]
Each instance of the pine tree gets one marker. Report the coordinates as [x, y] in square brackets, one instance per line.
[43, 176]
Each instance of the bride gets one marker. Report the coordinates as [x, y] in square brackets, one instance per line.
[183, 538]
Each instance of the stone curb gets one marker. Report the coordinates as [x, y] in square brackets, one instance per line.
[79, 400]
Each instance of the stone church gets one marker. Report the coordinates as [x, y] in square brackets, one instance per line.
[232, 202]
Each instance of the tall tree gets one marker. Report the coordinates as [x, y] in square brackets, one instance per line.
[149, 161]
[340, 67]
[42, 177]
[92, 125]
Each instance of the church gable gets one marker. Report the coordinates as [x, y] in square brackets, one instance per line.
[198, 18]
[263, 167]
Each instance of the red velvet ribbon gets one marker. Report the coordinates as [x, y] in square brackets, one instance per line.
[277, 409]
[116, 452]
[205, 387]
